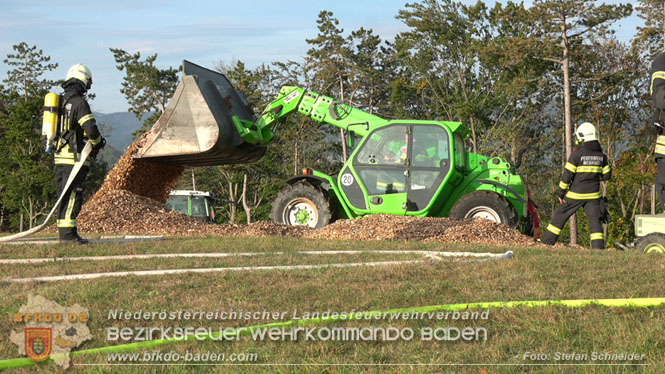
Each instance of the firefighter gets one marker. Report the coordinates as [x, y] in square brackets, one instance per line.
[657, 91]
[76, 126]
[580, 187]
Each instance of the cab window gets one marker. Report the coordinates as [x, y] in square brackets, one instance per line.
[386, 146]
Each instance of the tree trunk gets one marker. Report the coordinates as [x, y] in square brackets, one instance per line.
[31, 213]
[341, 131]
[232, 203]
[20, 224]
[344, 155]
[245, 206]
[513, 152]
[193, 181]
[25, 81]
[567, 114]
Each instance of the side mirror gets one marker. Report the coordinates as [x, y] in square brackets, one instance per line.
[350, 134]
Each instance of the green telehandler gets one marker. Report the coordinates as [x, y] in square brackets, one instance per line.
[399, 167]
[650, 233]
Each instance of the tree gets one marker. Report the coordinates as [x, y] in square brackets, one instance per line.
[565, 25]
[29, 65]
[26, 173]
[26, 177]
[371, 70]
[521, 91]
[441, 53]
[610, 86]
[327, 60]
[650, 38]
[146, 87]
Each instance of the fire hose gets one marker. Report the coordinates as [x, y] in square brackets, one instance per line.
[72, 175]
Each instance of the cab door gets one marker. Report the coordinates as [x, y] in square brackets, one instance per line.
[429, 165]
[381, 165]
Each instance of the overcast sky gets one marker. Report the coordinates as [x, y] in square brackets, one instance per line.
[204, 32]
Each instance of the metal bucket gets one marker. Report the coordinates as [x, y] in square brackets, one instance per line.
[196, 128]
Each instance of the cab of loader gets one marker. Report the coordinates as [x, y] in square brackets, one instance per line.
[413, 168]
[193, 203]
[400, 167]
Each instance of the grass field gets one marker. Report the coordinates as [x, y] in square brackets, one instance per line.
[518, 339]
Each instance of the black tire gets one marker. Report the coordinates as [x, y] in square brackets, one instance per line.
[485, 204]
[301, 204]
[652, 243]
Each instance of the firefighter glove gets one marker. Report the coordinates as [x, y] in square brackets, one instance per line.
[98, 147]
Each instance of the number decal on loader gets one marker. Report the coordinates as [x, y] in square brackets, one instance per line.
[347, 179]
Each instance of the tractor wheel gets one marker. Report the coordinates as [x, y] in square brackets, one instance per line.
[652, 243]
[301, 204]
[487, 205]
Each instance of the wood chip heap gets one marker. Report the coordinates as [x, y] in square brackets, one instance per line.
[428, 229]
[141, 177]
[131, 201]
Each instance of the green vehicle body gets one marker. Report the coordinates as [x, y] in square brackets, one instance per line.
[650, 233]
[192, 203]
[428, 184]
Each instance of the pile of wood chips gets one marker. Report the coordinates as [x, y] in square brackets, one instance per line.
[427, 229]
[141, 177]
[131, 201]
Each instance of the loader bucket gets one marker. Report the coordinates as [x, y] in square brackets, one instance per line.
[197, 128]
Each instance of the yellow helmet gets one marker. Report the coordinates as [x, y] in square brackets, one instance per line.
[586, 132]
[82, 73]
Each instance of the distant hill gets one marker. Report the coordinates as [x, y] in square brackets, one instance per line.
[110, 155]
[117, 128]
[121, 125]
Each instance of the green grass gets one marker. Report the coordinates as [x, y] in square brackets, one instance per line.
[534, 274]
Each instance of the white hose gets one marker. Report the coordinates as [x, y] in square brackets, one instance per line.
[72, 175]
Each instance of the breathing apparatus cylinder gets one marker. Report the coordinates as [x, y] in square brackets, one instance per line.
[51, 114]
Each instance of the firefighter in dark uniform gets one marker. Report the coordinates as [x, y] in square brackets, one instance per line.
[657, 91]
[580, 187]
[76, 126]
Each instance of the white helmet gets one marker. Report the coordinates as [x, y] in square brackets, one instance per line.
[586, 132]
[81, 73]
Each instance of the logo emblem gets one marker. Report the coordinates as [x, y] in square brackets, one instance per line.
[38, 343]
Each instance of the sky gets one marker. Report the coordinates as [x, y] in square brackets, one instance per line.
[204, 32]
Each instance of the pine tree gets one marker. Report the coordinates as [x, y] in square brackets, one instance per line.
[29, 64]
[650, 38]
[327, 61]
[26, 174]
[146, 87]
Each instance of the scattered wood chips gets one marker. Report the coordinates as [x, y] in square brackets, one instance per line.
[131, 201]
